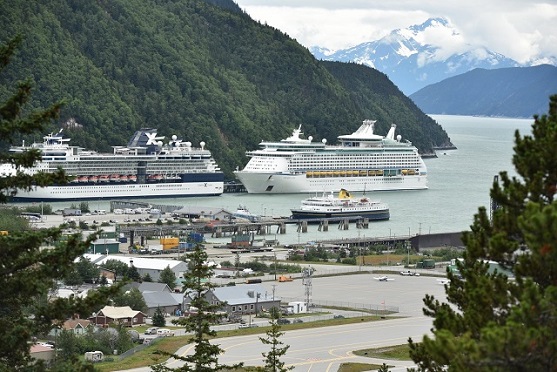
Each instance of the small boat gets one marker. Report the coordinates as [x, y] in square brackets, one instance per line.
[342, 206]
[123, 178]
[93, 179]
[103, 178]
[132, 178]
[114, 178]
[83, 179]
[242, 213]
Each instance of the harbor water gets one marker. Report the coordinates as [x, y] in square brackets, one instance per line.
[459, 182]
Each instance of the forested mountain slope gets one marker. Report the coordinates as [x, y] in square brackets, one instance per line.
[202, 70]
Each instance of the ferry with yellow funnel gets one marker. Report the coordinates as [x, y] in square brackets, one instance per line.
[342, 206]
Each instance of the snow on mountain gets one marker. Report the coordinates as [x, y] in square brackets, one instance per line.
[418, 55]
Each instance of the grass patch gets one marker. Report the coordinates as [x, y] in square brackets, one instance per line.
[397, 352]
[358, 367]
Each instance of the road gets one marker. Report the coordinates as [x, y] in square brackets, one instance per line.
[324, 349]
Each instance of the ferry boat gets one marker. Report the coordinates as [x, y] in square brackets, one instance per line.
[342, 206]
[124, 173]
[361, 161]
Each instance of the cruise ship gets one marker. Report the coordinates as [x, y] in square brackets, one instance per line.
[361, 161]
[146, 167]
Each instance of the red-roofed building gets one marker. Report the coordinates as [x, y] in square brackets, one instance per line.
[121, 315]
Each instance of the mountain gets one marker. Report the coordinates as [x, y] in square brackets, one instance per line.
[412, 63]
[203, 70]
[510, 92]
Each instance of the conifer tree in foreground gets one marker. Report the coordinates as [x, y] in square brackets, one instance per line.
[491, 323]
[196, 285]
[272, 358]
[158, 318]
[27, 272]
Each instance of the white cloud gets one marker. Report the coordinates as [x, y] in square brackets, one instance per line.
[520, 29]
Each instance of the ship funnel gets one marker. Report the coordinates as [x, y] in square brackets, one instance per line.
[391, 134]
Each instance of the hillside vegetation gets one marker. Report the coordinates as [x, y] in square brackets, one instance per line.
[202, 70]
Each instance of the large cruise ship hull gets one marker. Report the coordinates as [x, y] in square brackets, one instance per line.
[109, 191]
[273, 183]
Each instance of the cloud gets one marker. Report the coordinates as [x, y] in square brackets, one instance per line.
[520, 29]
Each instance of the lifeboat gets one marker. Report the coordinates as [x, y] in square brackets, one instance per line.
[363, 173]
[83, 179]
[114, 178]
[132, 178]
[93, 179]
[103, 178]
[158, 177]
[405, 171]
[75, 180]
[123, 178]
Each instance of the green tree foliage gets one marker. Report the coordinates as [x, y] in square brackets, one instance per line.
[11, 220]
[272, 358]
[88, 271]
[28, 272]
[131, 297]
[205, 354]
[158, 318]
[147, 278]
[492, 323]
[168, 277]
[202, 70]
[118, 267]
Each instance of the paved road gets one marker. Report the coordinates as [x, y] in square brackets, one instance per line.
[324, 349]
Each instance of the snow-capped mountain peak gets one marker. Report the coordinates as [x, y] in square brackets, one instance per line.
[418, 55]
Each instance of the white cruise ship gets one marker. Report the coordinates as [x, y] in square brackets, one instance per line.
[146, 167]
[361, 161]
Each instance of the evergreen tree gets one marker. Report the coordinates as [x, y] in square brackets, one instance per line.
[147, 278]
[168, 277]
[205, 354]
[492, 323]
[158, 318]
[27, 272]
[272, 358]
[133, 274]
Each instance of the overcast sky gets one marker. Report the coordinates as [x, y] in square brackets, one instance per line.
[519, 29]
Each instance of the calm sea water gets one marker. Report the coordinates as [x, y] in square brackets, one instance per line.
[459, 182]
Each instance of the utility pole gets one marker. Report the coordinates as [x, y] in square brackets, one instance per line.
[306, 281]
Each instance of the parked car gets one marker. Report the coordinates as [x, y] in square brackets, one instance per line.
[245, 325]
[297, 321]
[151, 331]
[283, 321]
